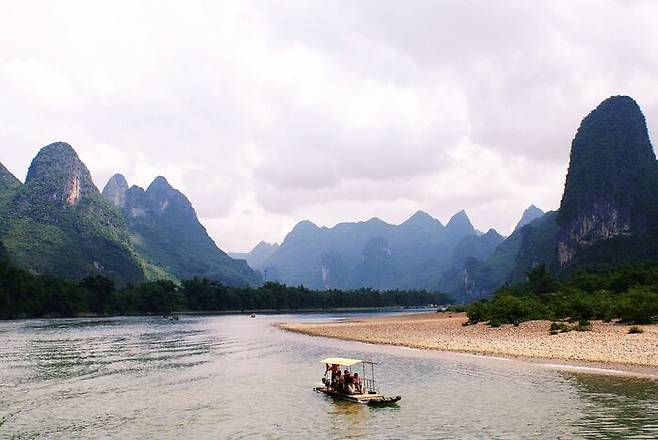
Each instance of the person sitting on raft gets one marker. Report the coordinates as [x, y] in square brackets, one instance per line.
[338, 384]
[356, 383]
[348, 387]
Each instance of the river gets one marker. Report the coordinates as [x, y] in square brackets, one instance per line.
[232, 377]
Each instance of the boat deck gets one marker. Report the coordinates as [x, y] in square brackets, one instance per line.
[355, 397]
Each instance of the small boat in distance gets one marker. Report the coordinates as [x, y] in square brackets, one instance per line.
[349, 386]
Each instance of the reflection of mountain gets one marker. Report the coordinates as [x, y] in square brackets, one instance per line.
[376, 254]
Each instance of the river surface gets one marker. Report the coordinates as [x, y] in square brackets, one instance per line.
[232, 377]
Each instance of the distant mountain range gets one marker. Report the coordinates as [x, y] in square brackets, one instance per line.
[420, 253]
[58, 223]
[608, 215]
[261, 252]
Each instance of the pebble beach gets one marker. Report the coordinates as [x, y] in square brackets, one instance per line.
[606, 343]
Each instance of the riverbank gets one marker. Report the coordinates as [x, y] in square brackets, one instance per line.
[606, 344]
[318, 310]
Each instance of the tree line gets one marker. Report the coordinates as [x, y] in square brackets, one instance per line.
[627, 293]
[25, 295]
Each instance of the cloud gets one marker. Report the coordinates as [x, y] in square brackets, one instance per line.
[265, 113]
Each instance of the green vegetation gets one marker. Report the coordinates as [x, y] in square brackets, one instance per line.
[165, 230]
[559, 327]
[24, 295]
[57, 223]
[635, 330]
[562, 327]
[534, 242]
[627, 293]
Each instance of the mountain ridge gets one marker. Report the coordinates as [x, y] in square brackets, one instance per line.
[530, 214]
[164, 227]
[370, 253]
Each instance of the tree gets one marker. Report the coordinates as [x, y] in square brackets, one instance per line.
[540, 281]
[100, 293]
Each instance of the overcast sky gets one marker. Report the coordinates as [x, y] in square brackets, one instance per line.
[267, 113]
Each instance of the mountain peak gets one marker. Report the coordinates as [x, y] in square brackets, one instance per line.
[60, 147]
[159, 182]
[59, 174]
[531, 214]
[375, 221]
[460, 218]
[460, 224]
[115, 190]
[611, 181]
[58, 155]
[305, 225]
[492, 233]
[118, 179]
[265, 246]
[421, 218]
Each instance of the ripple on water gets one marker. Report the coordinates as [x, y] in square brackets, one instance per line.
[231, 377]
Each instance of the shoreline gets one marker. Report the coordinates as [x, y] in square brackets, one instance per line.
[607, 349]
[89, 315]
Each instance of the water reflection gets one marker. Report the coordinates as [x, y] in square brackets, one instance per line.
[235, 377]
[617, 407]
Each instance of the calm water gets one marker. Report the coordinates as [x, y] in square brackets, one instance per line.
[235, 377]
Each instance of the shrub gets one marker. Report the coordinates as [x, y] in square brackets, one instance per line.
[478, 312]
[628, 293]
[559, 327]
[505, 308]
[639, 306]
[635, 330]
[583, 326]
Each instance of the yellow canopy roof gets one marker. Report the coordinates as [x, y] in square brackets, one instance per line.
[341, 361]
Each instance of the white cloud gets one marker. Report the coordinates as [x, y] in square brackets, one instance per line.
[265, 113]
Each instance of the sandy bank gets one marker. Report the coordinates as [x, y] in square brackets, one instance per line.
[607, 343]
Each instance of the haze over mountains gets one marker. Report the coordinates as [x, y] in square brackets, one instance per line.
[413, 255]
[258, 254]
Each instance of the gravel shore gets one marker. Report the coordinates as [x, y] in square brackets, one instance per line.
[606, 343]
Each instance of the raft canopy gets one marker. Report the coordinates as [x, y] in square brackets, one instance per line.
[344, 361]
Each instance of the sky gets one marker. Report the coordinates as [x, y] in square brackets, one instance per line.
[265, 113]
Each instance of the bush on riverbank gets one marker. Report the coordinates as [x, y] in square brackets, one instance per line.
[627, 293]
[635, 330]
